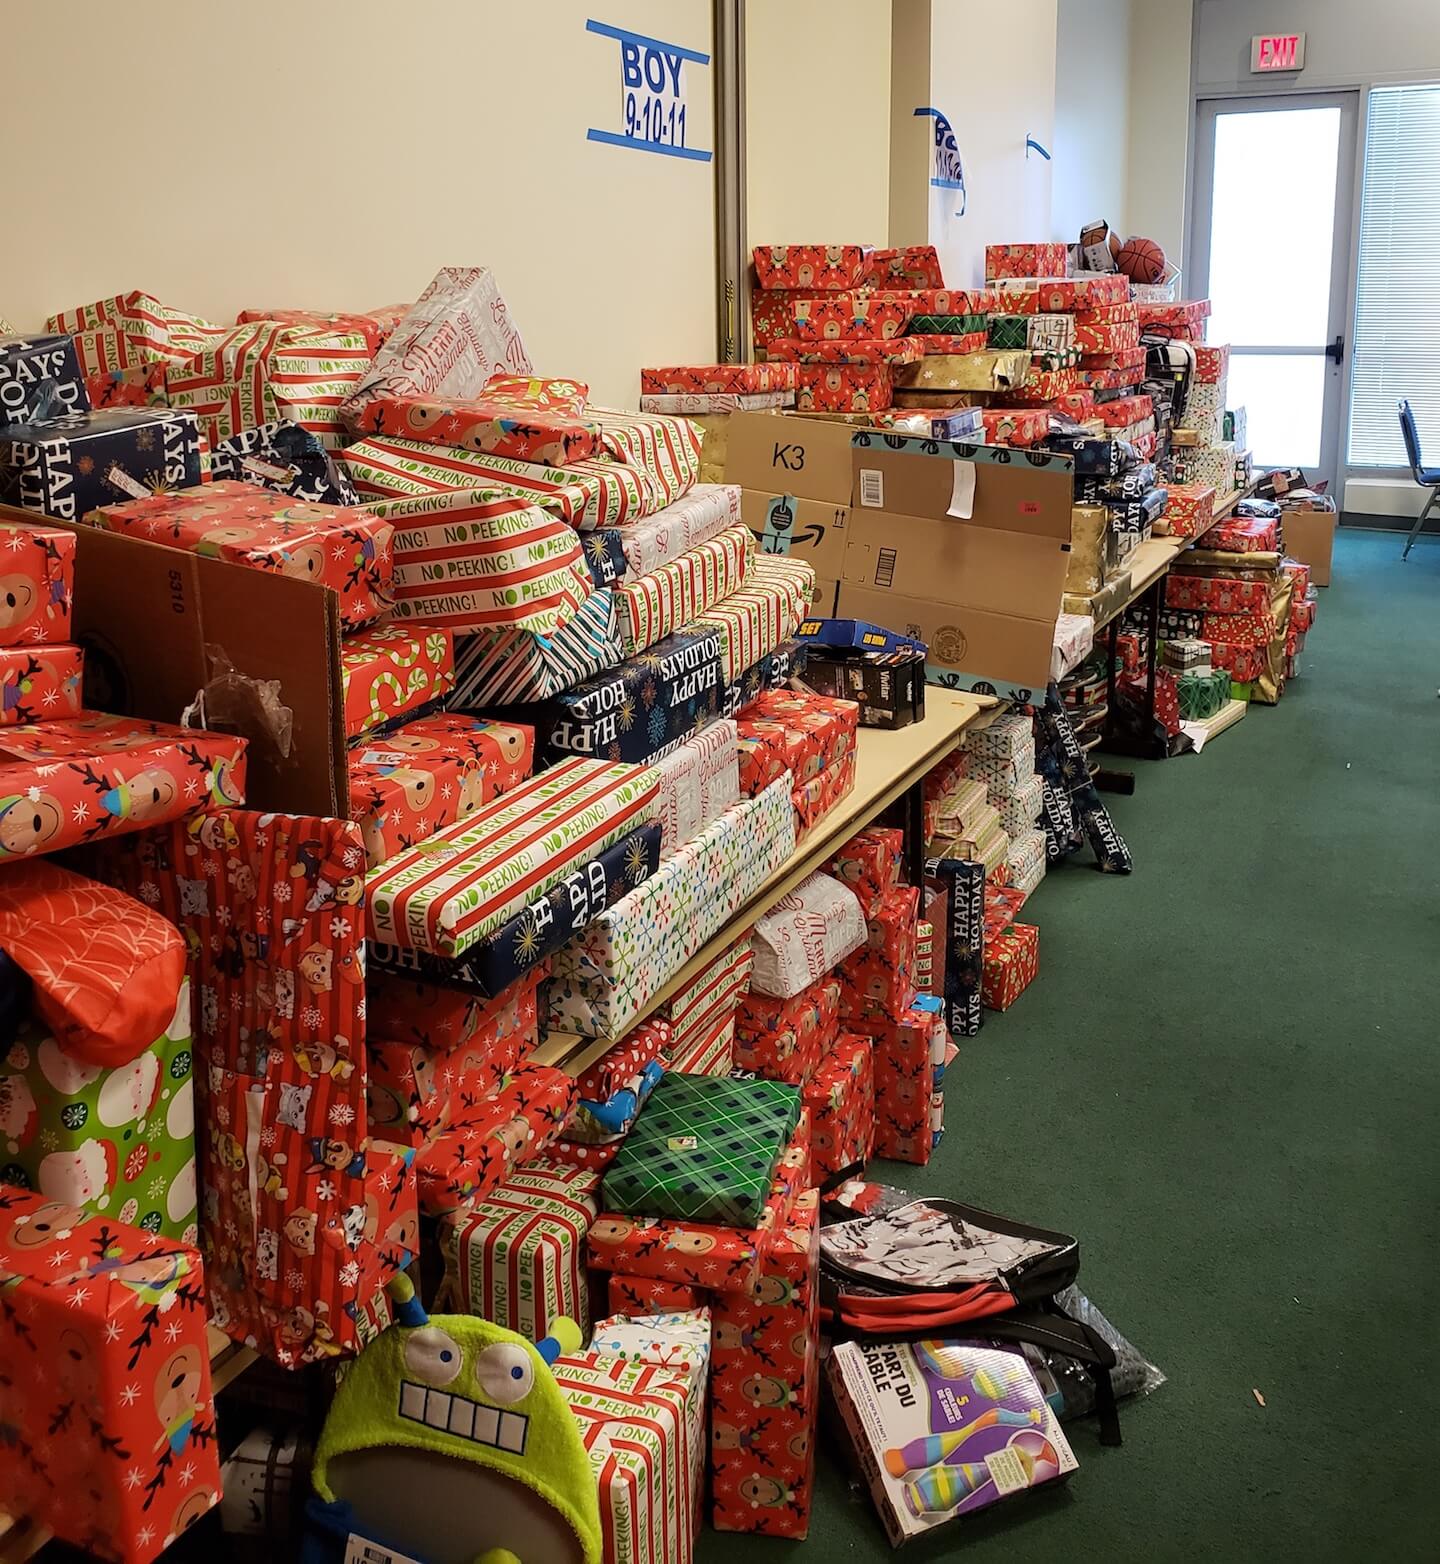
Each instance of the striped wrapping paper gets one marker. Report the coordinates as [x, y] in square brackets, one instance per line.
[699, 781]
[518, 1258]
[703, 403]
[374, 325]
[709, 1001]
[709, 1052]
[597, 494]
[654, 606]
[462, 883]
[666, 448]
[764, 612]
[505, 667]
[707, 510]
[603, 979]
[153, 330]
[488, 564]
[635, 1422]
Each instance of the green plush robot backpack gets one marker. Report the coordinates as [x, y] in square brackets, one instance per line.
[450, 1441]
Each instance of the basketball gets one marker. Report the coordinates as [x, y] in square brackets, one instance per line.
[1142, 260]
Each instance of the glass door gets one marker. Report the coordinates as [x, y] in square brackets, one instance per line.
[1271, 248]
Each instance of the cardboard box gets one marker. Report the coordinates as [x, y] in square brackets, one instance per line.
[804, 458]
[963, 548]
[1310, 538]
[812, 530]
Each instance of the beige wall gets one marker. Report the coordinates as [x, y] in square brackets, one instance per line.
[1160, 123]
[817, 117]
[327, 154]
[1092, 116]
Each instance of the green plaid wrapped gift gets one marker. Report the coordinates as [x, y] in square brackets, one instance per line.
[1009, 331]
[1202, 695]
[705, 1148]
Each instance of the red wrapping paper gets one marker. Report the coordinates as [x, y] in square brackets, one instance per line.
[472, 1155]
[877, 981]
[1024, 260]
[534, 394]
[1014, 426]
[37, 583]
[869, 863]
[1190, 509]
[784, 1039]
[339, 546]
[392, 669]
[77, 779]
[617, 1066]
[374, 325]
[1212, 364]
[905, 266]
[1077, 293]
[1242, 663]
[407, 784]
[38, 683]
[1124, 410]
[552, 439]
[1253, 628]
[709, 1002]
[848, 317]
[765, 1391]
[1107, 337]
[949, 342]
[1185, 319]
[904, 1062]
[730, 379]
[1239, 535]
[1216, 594]
[110, 1437]
[1167, 705]
[635, 1296]
[870, 351]
[842, 388]
[813, 800]
[1011, 964]
[818, 266]
[841, 1098]
[795, 732]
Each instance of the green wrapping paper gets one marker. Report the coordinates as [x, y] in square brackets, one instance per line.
[1009, 331]
[1202, 695]
[705, 1149]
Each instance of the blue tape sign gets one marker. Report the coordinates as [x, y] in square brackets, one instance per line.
[653, 98]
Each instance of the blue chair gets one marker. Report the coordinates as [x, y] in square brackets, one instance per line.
[1426, 477]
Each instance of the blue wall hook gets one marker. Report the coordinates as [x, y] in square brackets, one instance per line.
[1030, 141]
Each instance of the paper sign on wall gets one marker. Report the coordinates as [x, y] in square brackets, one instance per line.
[949, 173]
[654, 107]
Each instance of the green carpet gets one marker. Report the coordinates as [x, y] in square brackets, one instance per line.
[1225, 1081]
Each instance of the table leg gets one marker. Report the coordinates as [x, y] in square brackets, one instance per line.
[915, 832]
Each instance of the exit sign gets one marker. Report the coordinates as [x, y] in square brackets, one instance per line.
[1278, 52]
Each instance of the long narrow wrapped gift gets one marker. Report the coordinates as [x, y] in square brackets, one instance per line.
[710, 1053]
[713, 405]
[843, 388]
[869, 864]
[374, 325]
[605, 977]
[711, 999]
[667, 449]
[804, 935]
[475, 424]
[496, 564]
[1024, 260]
[812, 800]
[743, 379]
[505, 667]
[342, 547]
[1021, 809]
[548, 920]
[405, 785]
[455, 336]
[637, 1295]
[860, 351]
[764, 612]
[848, 317]
[652, 541]
[653, 606]
[460, 885]
[518, 1257]
[841, 1099]
[474, 1154]
[392, 670]
[699, 780]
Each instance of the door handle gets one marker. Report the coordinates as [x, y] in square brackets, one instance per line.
[1336, 350]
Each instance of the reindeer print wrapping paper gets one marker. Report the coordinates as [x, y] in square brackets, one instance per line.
[878, 980]
[818, 266]
[110, 1434]
[784, 1039]
[841, 1099]
[494, 428]
[634, 1295]
[905, 1054]
[77, 779]
[40, 682]
[722, 379]
[339, 546]
[37, 583]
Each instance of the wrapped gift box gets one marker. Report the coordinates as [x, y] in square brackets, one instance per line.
[70, 463]
[820, 266]
[736, 379]
[74, 779]
[460, 885]
[1190, 509]
[451, 340]
[666, 450]
[1021, 809]
[1242, 663]
[841, 1099]
[906, 266]
[1212, 363]
[1182, 656]
[772, 313]
[1026, 855]
[1255, 627]
[813, 800]
[39, 377]
[341, 547]
[710, 1000]
[785, 1039]
[1014, 426]
[642, 707]
[477, 424]
[1012, 961]
[674, 1340]
[905, 1053]
[946, 344]
[286, 458]
[842, 388]
[869, 864]
[468, 1159]
[1189, 316]
[841, 317]
[766, 611]
[653, 606]
[711, 407]
[698, 781]
[775, 670]
[134, 328]
[1024, 260]
[104, 1327]
[38, 683]
[640, 1295]
[518, 1257]
[1010, 737]
[865, 352]
[1242, 535]
[392, 670]
[599, 495]
[547, 921]
[804, 935]
[796, 732]
[877, 981]
[711, 1053]
[606, 976]
[1202, 694]
[653, 542]
[374, 325]
[635, 1422]
[704, 1150]
[501, 667]
[37, 587]
[766, 1393]
[1210, 465]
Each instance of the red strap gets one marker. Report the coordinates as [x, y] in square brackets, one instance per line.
[922, 1311]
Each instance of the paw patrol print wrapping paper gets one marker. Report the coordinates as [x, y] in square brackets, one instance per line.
[391, 670]
[765, 1391]
[517, 1258]
[77, 779]
[116, 1141]
[818, 266]
[40, 682]
[341, 547]
[37, 583]
[470, 1157]
[112, 1443]
[464, 882]
[650, 607]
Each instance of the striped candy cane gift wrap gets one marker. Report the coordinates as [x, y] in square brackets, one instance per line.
[652, 607]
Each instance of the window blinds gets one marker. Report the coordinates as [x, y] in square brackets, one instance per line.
[1397, 302]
